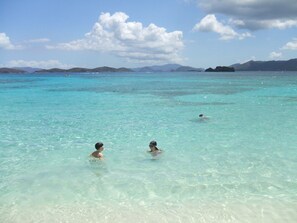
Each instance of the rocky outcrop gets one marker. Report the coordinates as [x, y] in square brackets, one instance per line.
[220, 69]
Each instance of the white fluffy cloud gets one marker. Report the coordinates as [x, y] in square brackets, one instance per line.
[5, 42]
[114, 34]
[46, 64]
[210, 24]
[255, 14]
[275, 55]
[292, 45]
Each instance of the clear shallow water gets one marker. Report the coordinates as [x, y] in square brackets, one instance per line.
[237, 166]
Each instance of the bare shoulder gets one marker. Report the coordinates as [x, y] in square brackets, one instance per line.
[96, 154]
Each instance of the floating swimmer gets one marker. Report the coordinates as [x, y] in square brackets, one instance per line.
[202, 117]
[154, 150]
[99, 149]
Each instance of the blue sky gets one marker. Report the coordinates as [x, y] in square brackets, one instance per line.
[133, 33]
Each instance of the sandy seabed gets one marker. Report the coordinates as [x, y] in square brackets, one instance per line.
[268, 211]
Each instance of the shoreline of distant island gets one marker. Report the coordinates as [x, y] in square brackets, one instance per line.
[280, 65]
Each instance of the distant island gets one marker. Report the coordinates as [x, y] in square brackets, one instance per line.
[5, 70]
[84, 70]
[161, 68]
[287, 65]
[168, 68]
[279, 65]
[220, 69]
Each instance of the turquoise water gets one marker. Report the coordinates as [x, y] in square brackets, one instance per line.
[237, 166]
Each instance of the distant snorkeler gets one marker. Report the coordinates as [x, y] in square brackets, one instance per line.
[202, 117]
[154, 150]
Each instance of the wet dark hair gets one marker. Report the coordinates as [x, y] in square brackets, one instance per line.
[98, 145]
[153, 143]
[201, 115]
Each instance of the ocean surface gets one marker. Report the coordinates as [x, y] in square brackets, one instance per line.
[239, 165]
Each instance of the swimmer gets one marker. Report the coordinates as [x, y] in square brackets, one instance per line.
[154, 150]
[202, 117]
[99, 149]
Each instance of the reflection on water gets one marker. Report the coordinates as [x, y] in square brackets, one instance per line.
[97, 166]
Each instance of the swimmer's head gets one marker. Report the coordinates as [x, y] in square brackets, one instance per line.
[153, 144]
[201, 115]
[98, 145]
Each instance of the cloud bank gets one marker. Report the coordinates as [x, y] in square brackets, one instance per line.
[255, 14]
[114, 34]
[45, 64]
[210, 24]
